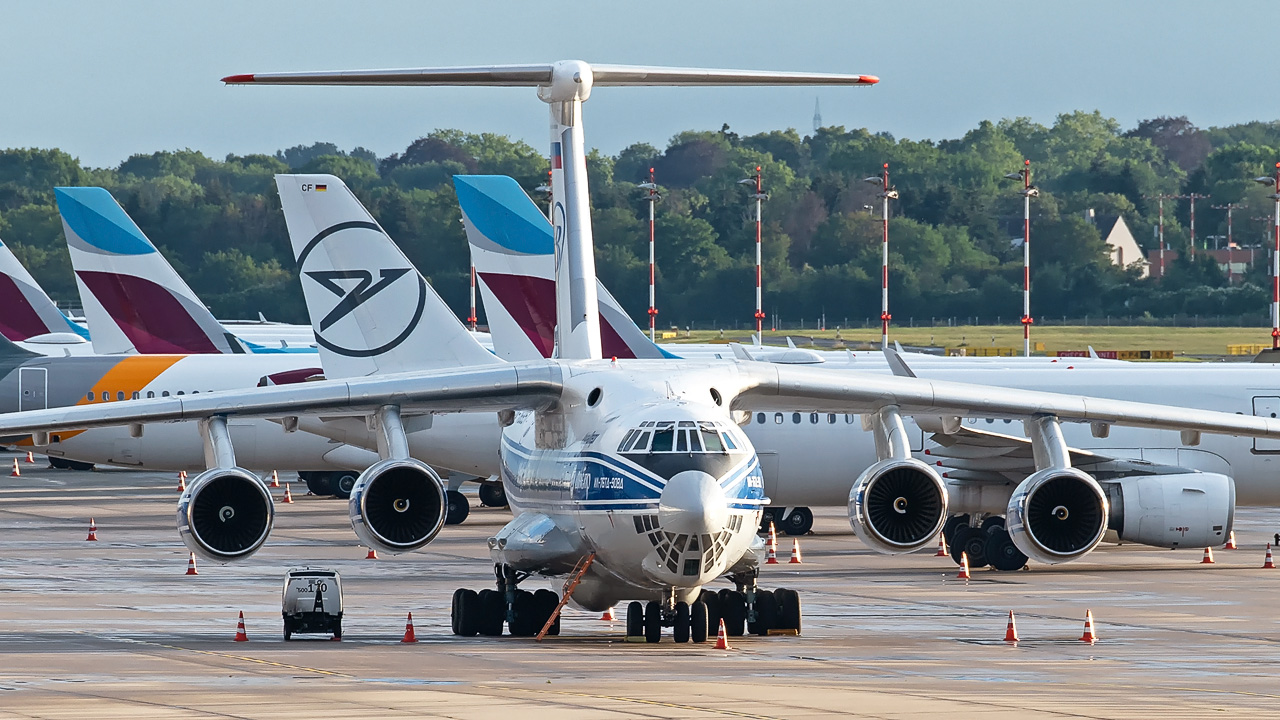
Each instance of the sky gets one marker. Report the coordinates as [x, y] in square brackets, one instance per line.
[106, 80]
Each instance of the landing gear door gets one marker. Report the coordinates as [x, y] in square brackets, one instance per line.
[1268, 407]
[32, 386]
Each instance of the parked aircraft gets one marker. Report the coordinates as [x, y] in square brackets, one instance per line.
[30, 318]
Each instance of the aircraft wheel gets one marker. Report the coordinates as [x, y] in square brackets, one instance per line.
[680, 633]
[468, 613]
[342, 484]
[953, 523]
[711, 601]
[318, 483]
[524, 615]
[546, 601]
[459, 508]
[1002, 553]
[491, 612]
[635, 619]
[733, 610]
[652, 622]
[493, 495]
[789, 614]
[798, 522]
[974, 542]
[992, 522]
[698, 625]
[766, 613]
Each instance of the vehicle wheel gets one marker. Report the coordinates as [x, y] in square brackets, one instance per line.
[680, 632]
[992, 522]
[974, 542]
[288, 630]
[711, 601]
[342, 483]
[459, 508]
[766, 613]
[788, 609]
[953, 523]
[524, 615]
[635, 619]
[492, 613]
[468, 613]
[652, 622]
[733, 609]
[798, 522]
[698, 625]
[546, 601]
[337, 629]
[1002, 553]
[318, 483]
[493, 495]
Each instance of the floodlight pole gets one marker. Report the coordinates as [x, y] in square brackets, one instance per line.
[886, 194]
[760, 196]
[1028, 191]
[652, 188]
[1193, 197]
[471, 319]
[1275, 257]
[1160, 199]
[1229, 207]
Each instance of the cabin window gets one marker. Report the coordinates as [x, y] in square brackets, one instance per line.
[795, 418]
[136, 395]
[90, 396]
[120, 395]
[813, 418]
[151, 393]
[106, 396]
[848, 419]
[165, 393]
[181, 392]
[777, 418]
[759, 418]
[831, 418]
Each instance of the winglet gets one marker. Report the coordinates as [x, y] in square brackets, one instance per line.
[897, 364]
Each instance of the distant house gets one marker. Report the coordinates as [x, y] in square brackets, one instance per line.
[1115, 233]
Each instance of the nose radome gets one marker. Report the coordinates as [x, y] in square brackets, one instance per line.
[694, 503]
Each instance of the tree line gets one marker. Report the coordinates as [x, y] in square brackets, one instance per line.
[219, 221]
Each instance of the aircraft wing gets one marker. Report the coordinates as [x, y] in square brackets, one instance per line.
[788, 387]
[541, 74]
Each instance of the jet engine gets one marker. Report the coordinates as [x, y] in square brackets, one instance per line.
[397, 505]
[225, 514]
[1057, 515]
[1188, 509]
[898, 505]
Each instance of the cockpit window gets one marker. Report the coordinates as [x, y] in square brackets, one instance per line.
[682, 444]
[684, 436]
[711, 440]
[663, 439]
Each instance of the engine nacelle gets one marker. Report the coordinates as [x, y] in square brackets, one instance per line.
[225, 514]
[1194, 509]
[397, 505]
[898, 506]
[1057, 515]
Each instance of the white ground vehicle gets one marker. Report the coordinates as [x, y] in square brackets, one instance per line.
[311, 602]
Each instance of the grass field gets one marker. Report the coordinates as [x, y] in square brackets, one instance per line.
[1182, 341]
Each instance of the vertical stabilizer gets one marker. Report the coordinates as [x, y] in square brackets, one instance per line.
[133, 299]
[372, 312]
[25, 310]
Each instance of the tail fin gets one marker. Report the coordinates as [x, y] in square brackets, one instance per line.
[133, 299]
[25, 310]
[371, 310]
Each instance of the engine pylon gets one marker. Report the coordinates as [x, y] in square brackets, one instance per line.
[1011, 630]
[409, 636]
[1089, 635]
[795, 553]
[1231, 541]
[1268, 564]
[964, 567]
[1208, 556]
[241, 636]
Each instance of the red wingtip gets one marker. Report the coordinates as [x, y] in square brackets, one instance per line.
[868, 79]
[238, 79]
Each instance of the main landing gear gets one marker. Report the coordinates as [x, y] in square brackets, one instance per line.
[789, 521]
[746, 609]
[989, 544]
[484, 612]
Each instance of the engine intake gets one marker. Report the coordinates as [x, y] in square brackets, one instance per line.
[225, 514]
[1057, 515]
[898, 506]
[397, 505]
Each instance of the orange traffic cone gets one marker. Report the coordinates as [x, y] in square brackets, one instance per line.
[409, 637]
[191, 565]
[1231, 541]
[1269, 564]
[1011, 630]
[964, 567]
[30, 458]
[275, 479]
[93, 531]
[182, 480]
[722, 638]
[287, 497]
[15, 472]
[795, 553]
[1089, 636]
[240, 634]
[373, 555]
[1208, 557]
[942, 546]
[770, 556]
[608, 615]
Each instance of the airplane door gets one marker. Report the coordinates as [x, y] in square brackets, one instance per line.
[769, 467]
[32, 384]
[1268, 407]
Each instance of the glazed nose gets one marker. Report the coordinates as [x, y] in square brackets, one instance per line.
[693, 502]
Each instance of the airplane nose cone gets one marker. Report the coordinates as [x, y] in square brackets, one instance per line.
[694, 503]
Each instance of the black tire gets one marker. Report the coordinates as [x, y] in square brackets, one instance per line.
[733, 609]
[951, 525]
[768, 515]
[524, 615]
[459, 508]
[337, 629]
[288, 630]
[789, 614]
[493, 495]
[798, 522]
[546, 601]
[1001, 553]
[711, 600]
[680, 631]
[992, 522]
[652, 622]
[766, 613]
[973, 541]
[342, 484]
[635, 619]
[492, 613]
[453, 611]
[318, 483]
[468, 613]
[698, 626]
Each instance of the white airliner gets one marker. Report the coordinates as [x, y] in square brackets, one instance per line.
[633, 472]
